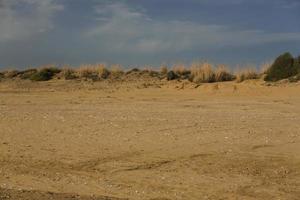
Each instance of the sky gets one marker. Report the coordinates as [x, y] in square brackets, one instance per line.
[146, 32]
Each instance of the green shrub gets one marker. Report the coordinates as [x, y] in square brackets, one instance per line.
[45, 74]
[26, 74]
[285, 66]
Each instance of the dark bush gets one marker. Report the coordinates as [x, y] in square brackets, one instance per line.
[285, 66]
[45, 74]
[171, 75]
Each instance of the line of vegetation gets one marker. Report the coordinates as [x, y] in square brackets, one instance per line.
[284, 67]
[197, 72]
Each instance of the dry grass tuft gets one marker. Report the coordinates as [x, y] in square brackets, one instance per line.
[246, 74]
[86, 71]
[68, 73]
[94, 72]
[223, 74]
[180, 69]
[264, 68]
[102, 71]
[163, 69]
[148, 70]
[202, 73]
[116, 70]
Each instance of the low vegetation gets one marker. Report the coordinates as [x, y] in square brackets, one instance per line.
[69, 73]
[202, 73]
[27, 74]
[223, 74]
[95, 73]
[246, 74]
[44, 74]
[295, 78]
[116, 71]
[10, 74]
[171, 75]
[284, 67]
[164, 70]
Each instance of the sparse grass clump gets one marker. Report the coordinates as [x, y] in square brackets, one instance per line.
[44, 74]
[146, 71]
[181, 70]
[150, 71]
[285, 66]
[163, 70]
[116, 70]
[93, 72]
[68, 73]
[223, 74]
[103, 72]
[265, 67]
[86, 72]
[202, 73]
[246, 74]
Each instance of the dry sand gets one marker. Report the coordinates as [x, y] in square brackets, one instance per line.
[151, 140]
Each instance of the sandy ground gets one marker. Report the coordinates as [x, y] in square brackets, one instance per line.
[159, 141]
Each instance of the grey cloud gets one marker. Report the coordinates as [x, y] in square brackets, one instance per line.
[15, 25]
[126, 30]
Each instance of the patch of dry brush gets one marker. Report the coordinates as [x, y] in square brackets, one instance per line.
[206, 73]
[247, 74]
